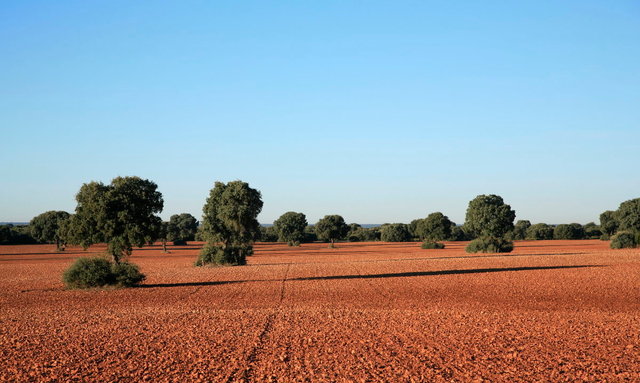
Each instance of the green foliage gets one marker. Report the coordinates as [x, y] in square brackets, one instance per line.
[46, 227]
[223, 255]
[98, 272]
[230, 214]
[181, 228]
[89, 272]
[457, 233]
[428, 244]
[592, 231]
[520, 229]
[331, 228]
[121, 214]
[395, 232]
[436, 227]
[290, 227]
[540, 231]
[268, 234]
[488, 216]
[570, 231]
[363, 234]
[16, 235]
[624, 240]
[127, 274]
[230, 223]
[628, 215]
[489, 245]
[608, 223]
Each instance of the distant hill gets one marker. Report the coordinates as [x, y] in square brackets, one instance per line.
[14, 223]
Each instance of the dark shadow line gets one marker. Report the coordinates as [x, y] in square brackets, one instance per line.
[441, 272]
[195, 284]
[49, 253]
[372, 276]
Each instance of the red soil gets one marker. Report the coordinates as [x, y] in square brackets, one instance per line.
[549, 311]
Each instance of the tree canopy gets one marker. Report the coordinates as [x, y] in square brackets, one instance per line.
[182, 228]
[290, 227]
[436, 227]
[331, 228]
[121, 214]
[230, 222]
[488, 215]
[46, 227]
[395, 232]
[520, 229]
[540, 231]
[628, 215]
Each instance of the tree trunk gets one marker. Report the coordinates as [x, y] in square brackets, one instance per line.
[164, 245]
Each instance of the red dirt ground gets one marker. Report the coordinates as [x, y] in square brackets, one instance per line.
[549, 311]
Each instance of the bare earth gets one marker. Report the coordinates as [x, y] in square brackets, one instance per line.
[549, 311]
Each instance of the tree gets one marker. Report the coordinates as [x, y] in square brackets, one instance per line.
[46, 228]
[230, 223]
[592, 231]
[395, 232]
[628, 215]
[290, 227]
[331, 228]
[182, 228]
[540, 231]
[436, 227]
[488, 215]
[121, 214]
[488, 219]
[570, 231]
[520, 229]
[608, 223]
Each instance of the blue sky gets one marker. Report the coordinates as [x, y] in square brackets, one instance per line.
[378, 111]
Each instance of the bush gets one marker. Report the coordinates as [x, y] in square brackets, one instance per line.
[489, 245]
[127, 274]
[98, 272]
[218, 255]
[89, 272]
[432, 245]
[624, 240]
[179, 242]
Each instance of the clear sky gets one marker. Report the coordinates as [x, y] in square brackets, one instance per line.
[381, 111]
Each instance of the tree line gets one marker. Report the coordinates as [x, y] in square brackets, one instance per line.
[123, 214]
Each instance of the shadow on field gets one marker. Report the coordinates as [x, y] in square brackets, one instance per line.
[192, 284]
[441, 272]
[371, 276]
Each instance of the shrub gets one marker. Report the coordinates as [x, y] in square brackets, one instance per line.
[98, 272]
[432, 245]
[179, 242]
[624, 240]
[127, 274]
[89, 272]
[570, 231]
[489, 245]
[218, 255]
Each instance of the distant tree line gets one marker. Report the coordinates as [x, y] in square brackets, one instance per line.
[123, 214]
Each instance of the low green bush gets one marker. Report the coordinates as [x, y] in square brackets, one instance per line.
[88, 272]
[99, 272]
[624, 240]
[179, 242]
[432, 245]
[489, 245]
[127, 274]
[218, 255]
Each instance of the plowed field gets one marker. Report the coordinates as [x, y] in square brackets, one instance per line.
[549, 311]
